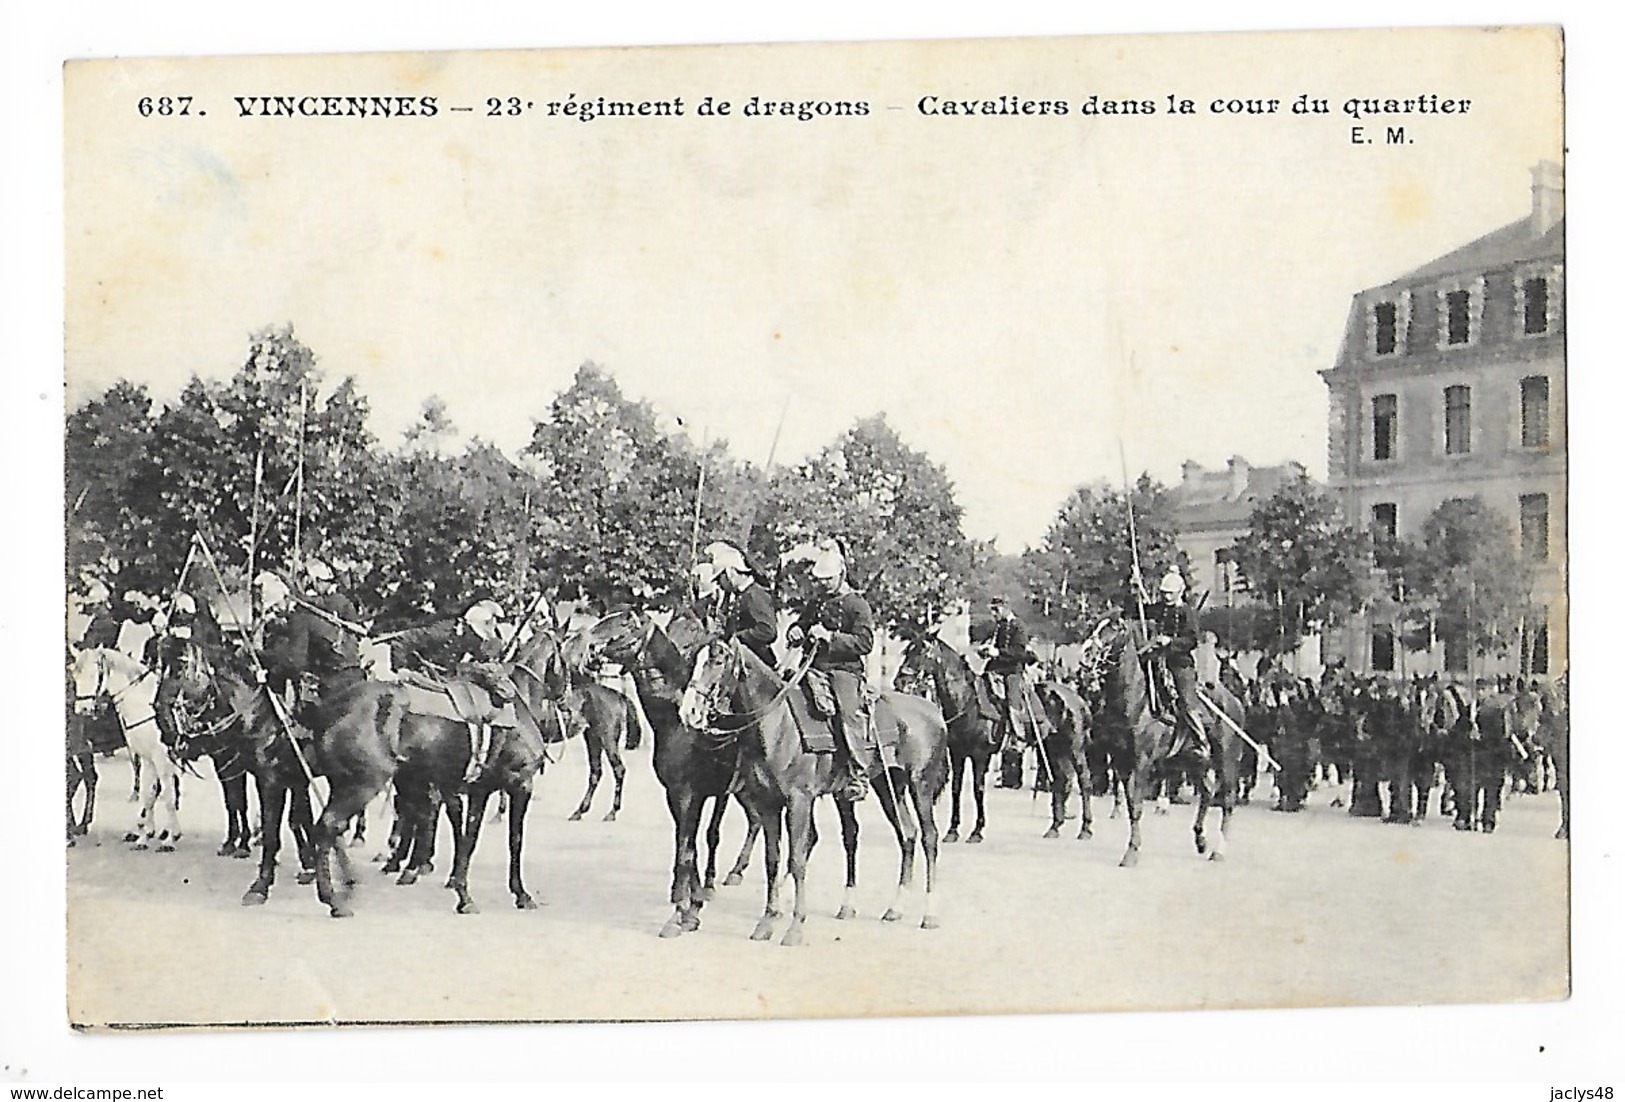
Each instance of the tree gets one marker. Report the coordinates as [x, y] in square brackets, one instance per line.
[104, 443]
[1468, 569]
[895, 512]
[1086, 562]
[1301, 560]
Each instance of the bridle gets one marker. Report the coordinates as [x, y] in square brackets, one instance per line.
[113, 698]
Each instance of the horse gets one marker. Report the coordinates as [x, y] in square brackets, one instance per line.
[934, 670]
[780, 777]
[603, 718]
[133, 689]
[203, 716]
[1066, 754]
[1140, 743]
[1554, 735]
[693, 766]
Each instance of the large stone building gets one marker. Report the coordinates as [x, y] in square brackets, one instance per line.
[1451, 384]
[1213, 509]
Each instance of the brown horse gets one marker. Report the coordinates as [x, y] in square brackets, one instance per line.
[1066, 754]
[1141, 742]
[603, 719]
[693, 766]
[731, 684]
[934, 670]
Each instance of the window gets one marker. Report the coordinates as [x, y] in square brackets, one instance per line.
[1533, 526]
[1535, 295]
[1540, 650]
[1535, 405]
[1384, 426]
[1458, 420]
[1455, 654]
[1385, 521]
[1382, 650]
[1458, 307]
[1385, 315]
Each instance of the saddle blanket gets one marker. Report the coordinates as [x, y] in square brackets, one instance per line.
[819, 737]
[460, 701]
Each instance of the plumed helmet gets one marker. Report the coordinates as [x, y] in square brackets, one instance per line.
[482, 616]
[725, 556]
[705, 573]
[828, 564]
[184, 605]
[318, 571]
[272, 589]
[1173, 583]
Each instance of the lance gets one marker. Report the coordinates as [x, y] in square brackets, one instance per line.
[1134, 549]
[694, 535]
[1269, 762]
[254, 660]
[512, 647]
[299, 484]
[254, 519]
[358, 630]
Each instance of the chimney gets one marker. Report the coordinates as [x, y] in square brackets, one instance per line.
[1546, 197]
[1240, 469]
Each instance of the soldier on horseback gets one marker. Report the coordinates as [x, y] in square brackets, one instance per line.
[178, 654]
[311, 642]
[1175, 643]
[748, 612]
[1007, 659]
[839, 624]
[471, 647]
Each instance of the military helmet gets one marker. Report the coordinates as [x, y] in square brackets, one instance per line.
[318, 571]
[184, 606]
[1172, 584]
[828, 564]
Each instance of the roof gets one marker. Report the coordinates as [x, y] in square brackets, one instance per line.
[1207, 499]
[1508, 245]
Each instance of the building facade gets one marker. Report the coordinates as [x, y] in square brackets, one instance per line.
[1450, 383]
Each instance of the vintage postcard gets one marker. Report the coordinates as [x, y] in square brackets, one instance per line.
[1127, 476]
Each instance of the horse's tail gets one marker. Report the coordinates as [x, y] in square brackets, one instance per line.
[389, 712]
[629, 717]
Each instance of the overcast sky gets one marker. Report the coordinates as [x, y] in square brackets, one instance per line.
[1017, 294]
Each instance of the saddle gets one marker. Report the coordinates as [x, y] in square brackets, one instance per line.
[458, 699]
[818, 734]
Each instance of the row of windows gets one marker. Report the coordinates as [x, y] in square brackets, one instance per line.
[1534, 414]
[1460, 315]
[1535, 660]
[1534, 524]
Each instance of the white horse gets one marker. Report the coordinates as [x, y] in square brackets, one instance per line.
[133, 689]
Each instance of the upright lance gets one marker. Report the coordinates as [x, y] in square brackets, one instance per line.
[1134, 549]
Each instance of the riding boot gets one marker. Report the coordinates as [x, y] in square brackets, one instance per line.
[481, 748]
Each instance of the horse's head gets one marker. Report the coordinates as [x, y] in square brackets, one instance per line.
[618, 637]
[923, 663]
[89, 679]
[717, 669]
[544, 657]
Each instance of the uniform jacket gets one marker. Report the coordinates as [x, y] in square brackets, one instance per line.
[1178, 622]
[442, 646]
[1009, 647]
[303, 642]
[848, 616]
[750, 617]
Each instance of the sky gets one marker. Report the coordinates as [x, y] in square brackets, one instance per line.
[1032, 301]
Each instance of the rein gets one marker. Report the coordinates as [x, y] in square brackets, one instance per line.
[779, 698]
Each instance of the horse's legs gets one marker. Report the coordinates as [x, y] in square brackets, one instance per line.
[979, 762]
[1086, 791]
[342, 804]
[273, 800]
[798, 812]
[1060, 781]
[753, 831]
[467, 834]
[685, 806]
[595, 770]
[713, 839]
[518, 803]
[772, 830]
[1136, 784]
[617, 769]
[895, 805]
[849, 842]
[956, 765]
[919, 787]
[302, 821]
[135, 777]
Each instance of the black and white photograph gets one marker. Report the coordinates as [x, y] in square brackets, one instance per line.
[816, 530]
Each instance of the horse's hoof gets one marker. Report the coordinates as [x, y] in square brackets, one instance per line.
[733, 880]
[254, 897]
[71, 842]
[468, 907]
[357, 843]
[673, 927]
[524, 902]
[407, 878]
[141, 846]
[847, 911]
[166, 847]
[892, 915]
[241, 853]
[379, 859]
[1052, 832]
[1201, 844]
[1129, 860]
[306, 876]
[974, 839]
[792, 936]
[1085, 833]
[763, 931]
[929, 923]
[1216, 855]
[340, 910]
[691, 921]
[224, 850]
[575, 817]
[610, 818]
[951, 836]
[132, 837]
[707, 893]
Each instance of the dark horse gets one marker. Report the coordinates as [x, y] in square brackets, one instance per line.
[934, 670]
[604, 720]
[1066, 754]
[1140, 743]
[780, 777]
[693, 766]
[209, 726]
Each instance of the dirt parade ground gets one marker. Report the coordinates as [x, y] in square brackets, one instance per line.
[1314, 908]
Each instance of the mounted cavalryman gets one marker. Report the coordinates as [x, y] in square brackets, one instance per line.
[1007, 658]
[839, 624]
[1175, 642]
[748, 610]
